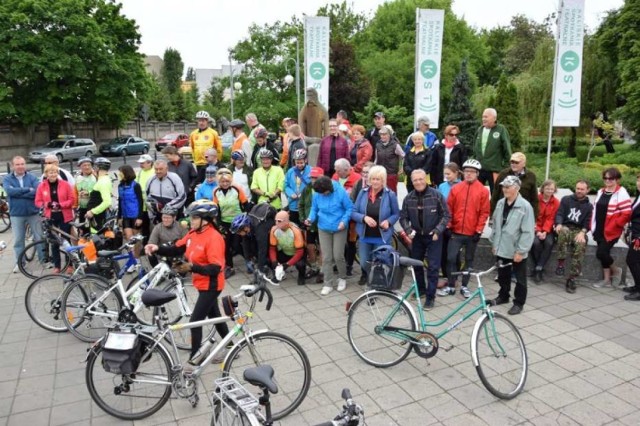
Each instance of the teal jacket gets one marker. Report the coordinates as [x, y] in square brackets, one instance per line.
[497, 153]
[330, 210]
[516, 236]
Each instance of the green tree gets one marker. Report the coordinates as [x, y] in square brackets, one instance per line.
[157, 97]
[191, 74]
[348, 87]
[343, 20]
[396, 116]
[460, 111]
[171, 76]
[508, 108]
[496, 40]
[68, 59]
[526, 35]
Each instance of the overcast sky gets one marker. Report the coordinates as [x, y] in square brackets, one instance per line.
[204, 30]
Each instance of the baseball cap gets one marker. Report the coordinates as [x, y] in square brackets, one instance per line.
[511, 181]
[379, 114]
[144, 158]
[518, 156]
[343, 127]
[316, 172]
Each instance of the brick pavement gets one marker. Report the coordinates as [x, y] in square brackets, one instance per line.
[583, 349]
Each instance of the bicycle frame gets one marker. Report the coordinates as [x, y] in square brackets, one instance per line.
[424, 324]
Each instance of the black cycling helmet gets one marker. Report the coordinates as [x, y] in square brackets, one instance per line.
[236, 123]
[102, 163]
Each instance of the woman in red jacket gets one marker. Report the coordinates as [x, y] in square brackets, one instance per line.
[203, 248]
[545, 239]
[360, 150]
[611, 212]
[57, 197]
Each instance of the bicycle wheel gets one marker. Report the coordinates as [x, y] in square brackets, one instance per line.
[89, 326]
[43, 302]
[366, 317]
[5, 222]
[499, 355]
[288, 359]
[227, 414]
[183, 337]
[131, 396]
[36, 259]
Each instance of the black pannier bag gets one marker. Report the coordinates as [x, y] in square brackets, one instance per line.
[121, 352]
[385, 272]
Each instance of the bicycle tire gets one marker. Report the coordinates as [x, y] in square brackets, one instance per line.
[77, 296]
[102, 385]
[288, 359]
[502, 368]
[5, 222]
[182, 338]
[30, 264]
[228, 416]
[369, 311]
[43, 301]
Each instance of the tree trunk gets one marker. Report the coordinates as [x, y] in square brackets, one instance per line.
[571, 149]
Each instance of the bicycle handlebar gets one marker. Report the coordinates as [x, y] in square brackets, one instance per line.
[260, 287]
[497, 265]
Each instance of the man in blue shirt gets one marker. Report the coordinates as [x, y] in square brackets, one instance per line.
[430, 138]
[20, 186]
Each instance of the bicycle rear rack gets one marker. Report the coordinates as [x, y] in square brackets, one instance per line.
[228, 389]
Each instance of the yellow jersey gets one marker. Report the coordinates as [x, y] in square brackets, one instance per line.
[200, 141]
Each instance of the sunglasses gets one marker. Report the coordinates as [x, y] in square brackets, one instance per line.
[49, 162]
[608, 178]
[452, 134]
[514, 162]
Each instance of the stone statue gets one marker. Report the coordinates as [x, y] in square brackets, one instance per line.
[314, 117]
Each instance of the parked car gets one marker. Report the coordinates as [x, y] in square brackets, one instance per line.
[125, 145]
[172, 139]
[65, 147]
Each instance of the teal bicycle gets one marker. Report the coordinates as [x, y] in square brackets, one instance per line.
[383, 328]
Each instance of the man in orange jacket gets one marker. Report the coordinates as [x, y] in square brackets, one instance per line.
[469, 207]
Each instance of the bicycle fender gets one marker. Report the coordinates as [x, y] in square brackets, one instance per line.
[474, 335]
[405, 303]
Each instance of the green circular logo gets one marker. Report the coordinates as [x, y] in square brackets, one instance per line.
[569, 61]
[428, 68]
[317, 71]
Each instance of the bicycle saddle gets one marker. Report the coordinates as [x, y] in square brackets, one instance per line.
[153, 297]
[407, 261]
[261, 376]
[107, 253]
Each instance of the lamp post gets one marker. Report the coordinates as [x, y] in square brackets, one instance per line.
[288, 79]
[237, 85]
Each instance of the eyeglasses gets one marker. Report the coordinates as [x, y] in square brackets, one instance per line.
[452, 134]
[608, 178]
[514, 162]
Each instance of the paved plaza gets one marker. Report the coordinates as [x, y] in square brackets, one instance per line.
[583, 350]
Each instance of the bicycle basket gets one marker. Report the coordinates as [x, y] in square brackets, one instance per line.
[121, 352]
[385, 272]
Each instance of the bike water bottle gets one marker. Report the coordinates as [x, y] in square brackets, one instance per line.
[203, 351]
[133, 299]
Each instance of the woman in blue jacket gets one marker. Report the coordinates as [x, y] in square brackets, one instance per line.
[375, 212]
[331, 209]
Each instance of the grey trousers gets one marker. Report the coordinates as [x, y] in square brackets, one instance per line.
[332, 247]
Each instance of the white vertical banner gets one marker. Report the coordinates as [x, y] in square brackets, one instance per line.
[316, 56]
[429, 28]
[568, 78]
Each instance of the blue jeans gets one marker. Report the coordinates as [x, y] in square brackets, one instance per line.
[364, 250]
[19, 227]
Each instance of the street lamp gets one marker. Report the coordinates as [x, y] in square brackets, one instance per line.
[288, 79]
[237, 85]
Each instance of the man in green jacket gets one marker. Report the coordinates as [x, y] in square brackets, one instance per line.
[492, 147]
[511, 240]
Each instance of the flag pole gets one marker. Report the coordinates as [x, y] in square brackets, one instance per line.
[553, 92]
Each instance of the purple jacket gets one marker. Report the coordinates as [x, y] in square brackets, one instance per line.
[324, 154]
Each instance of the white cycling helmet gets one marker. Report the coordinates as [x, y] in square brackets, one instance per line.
[472, 163]
[203, 114]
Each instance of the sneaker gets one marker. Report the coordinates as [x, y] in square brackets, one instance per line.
[602, 284]
[349, 271]
[539, 277]
[250, 267]
[497, 301]
[633, 297]
[229, 272]
[570, 286]
[300, 279]
[69, 270]
[616, 278]
[362, 280]
[446, 291]
[342, 284]
[560, 270]
[16, 269]
[428, 305]
[48, 265]
[56, 270]
[326, 290]
[515, 310]
[631, 289]
[131, 269]
[218, 359]
[320, 278]
[464, 291]
[189, 368]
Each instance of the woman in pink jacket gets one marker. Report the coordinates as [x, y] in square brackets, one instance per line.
[57, 197]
